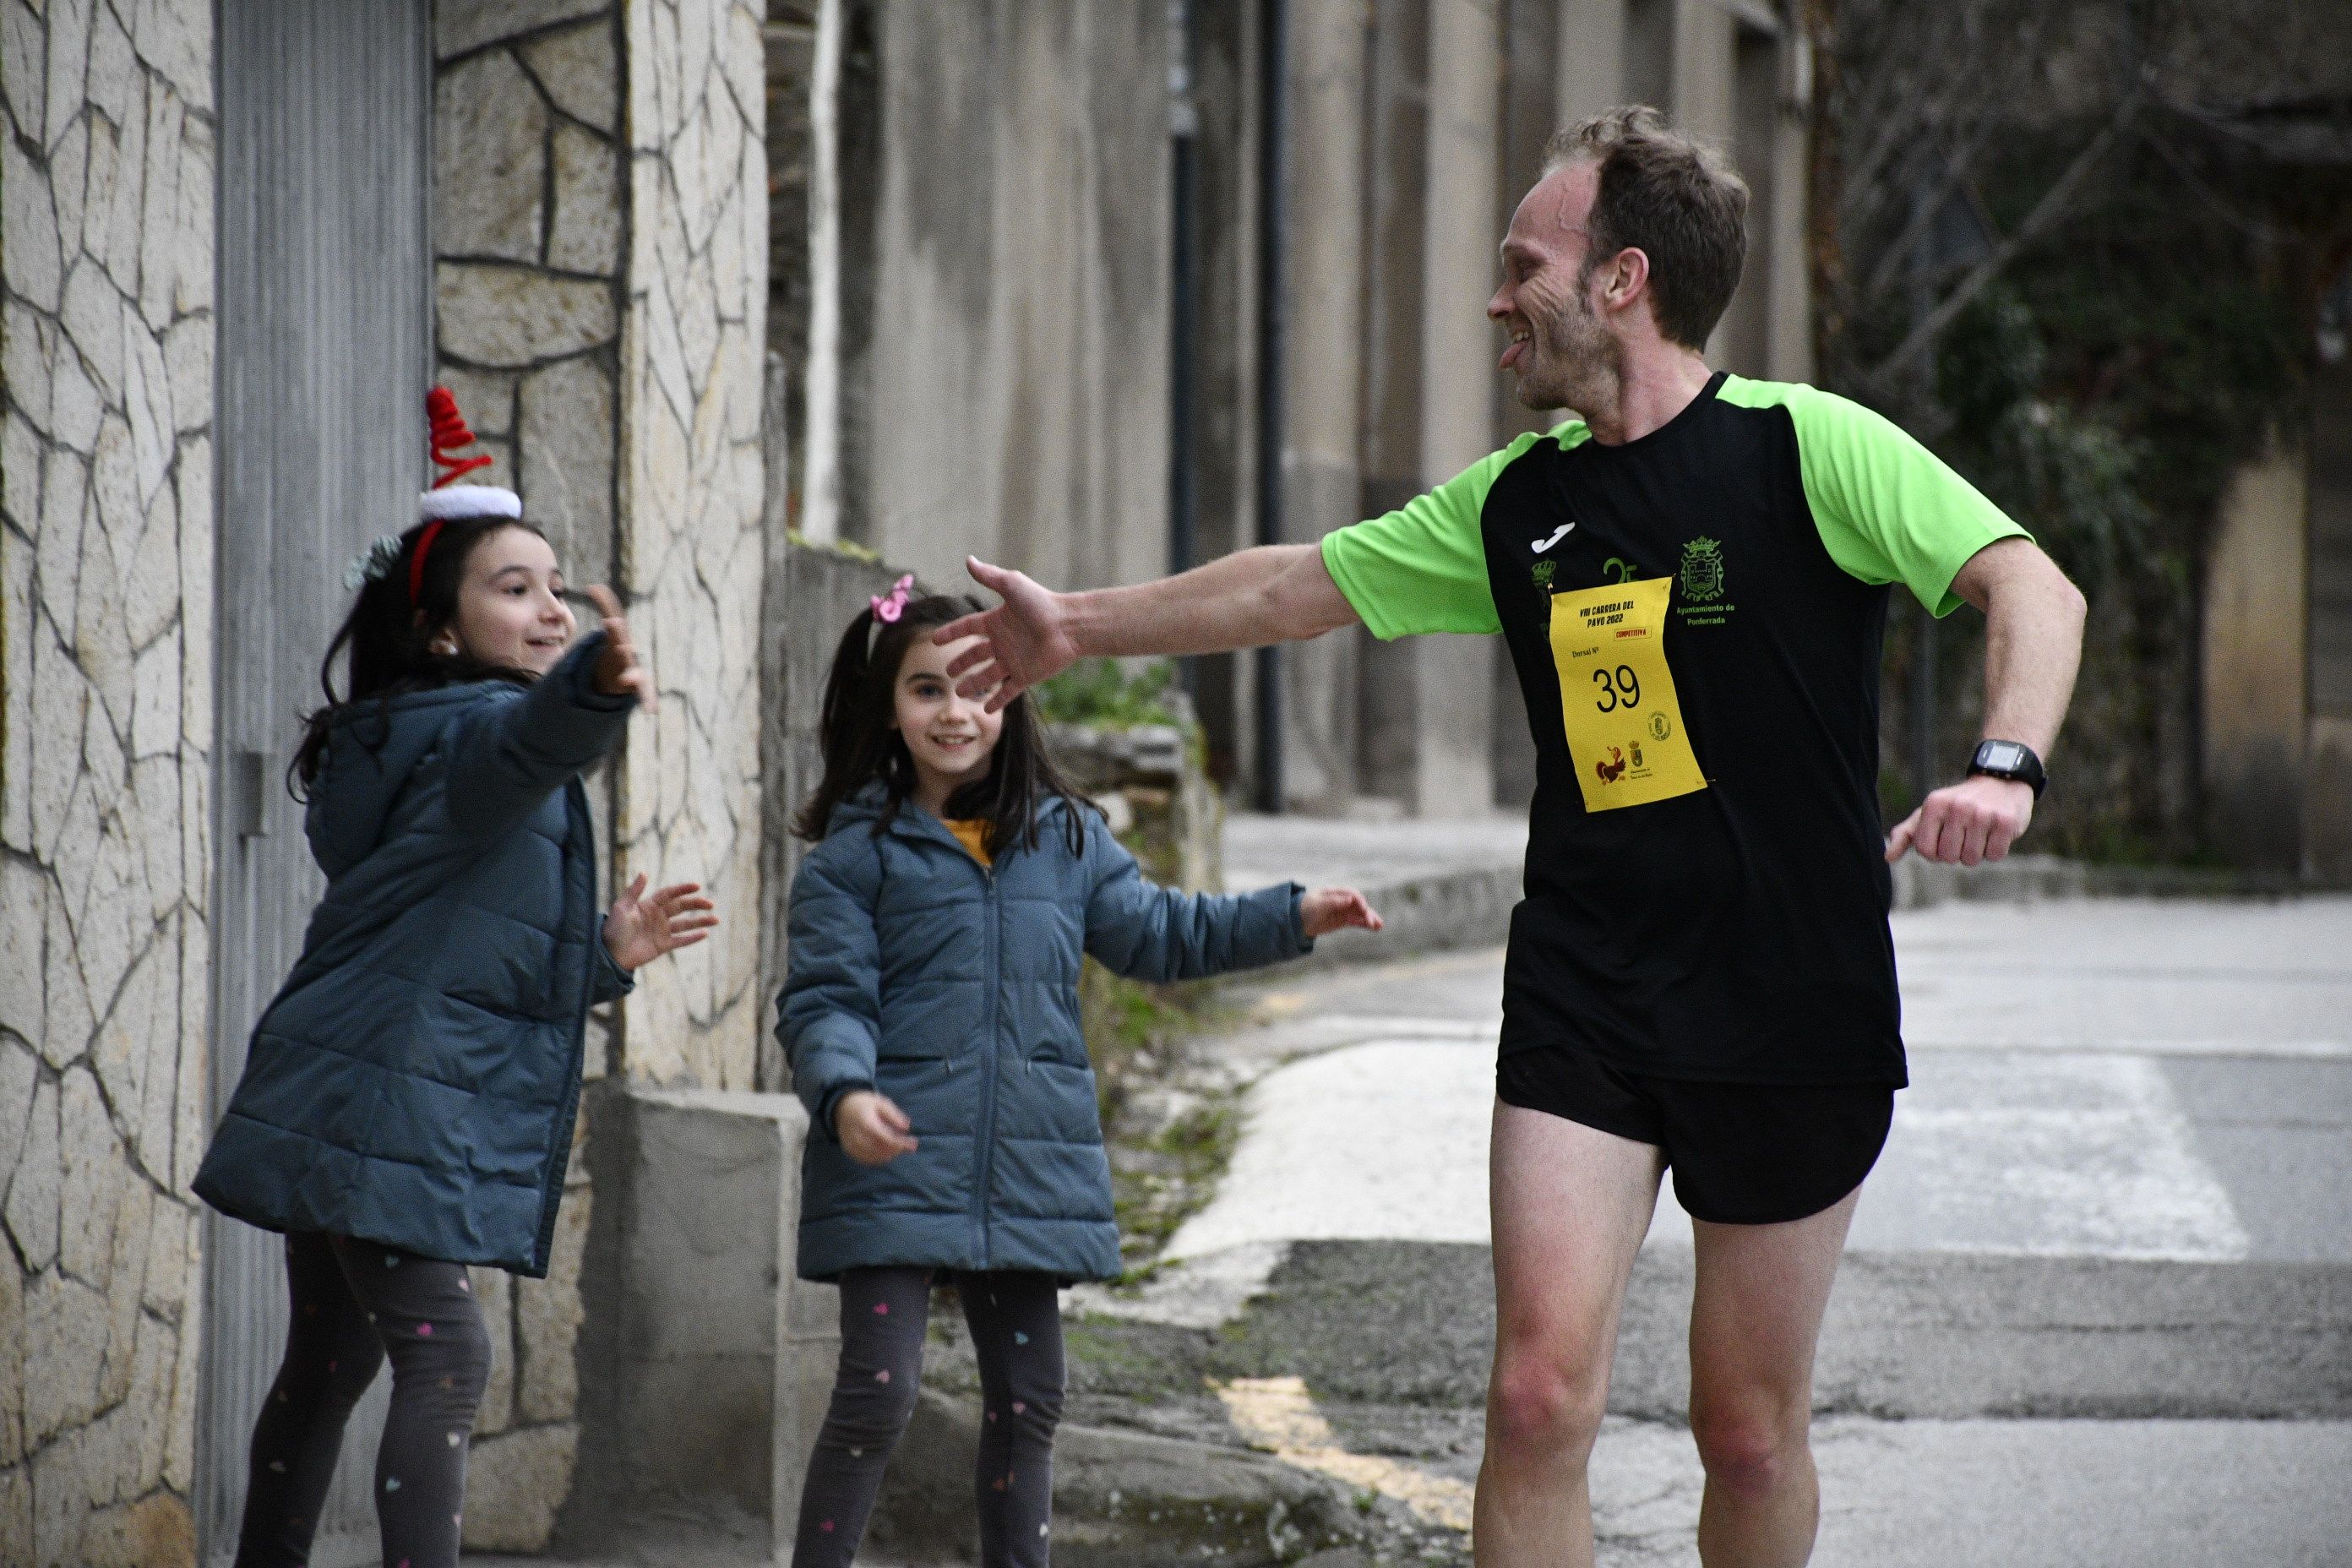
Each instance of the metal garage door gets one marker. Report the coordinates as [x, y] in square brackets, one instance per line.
[324, 305]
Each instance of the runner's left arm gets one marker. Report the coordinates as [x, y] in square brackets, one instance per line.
[1888, 509]
[2033, 645]
[2034, 639]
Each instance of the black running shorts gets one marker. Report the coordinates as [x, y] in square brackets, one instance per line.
[1742, 1153]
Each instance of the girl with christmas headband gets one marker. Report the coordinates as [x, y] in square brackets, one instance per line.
[409, 1103]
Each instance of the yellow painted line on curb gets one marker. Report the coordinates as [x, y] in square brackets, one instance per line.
[1278, 1415]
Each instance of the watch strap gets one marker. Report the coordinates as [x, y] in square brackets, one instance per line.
[2012, 760]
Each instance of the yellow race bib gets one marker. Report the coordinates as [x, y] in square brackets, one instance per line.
[1617, 697]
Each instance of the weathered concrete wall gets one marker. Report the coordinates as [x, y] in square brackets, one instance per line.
[1592, 63]
[1004, 389]
[1431, 390]
[601, 222]
[106, 554]
[1018, 393]
[2255, 669]
[1454, 676]
[719, 1359]
[813, 593]
[1323, 376]
[789, 37]
[1397, 194]
[1223, 448]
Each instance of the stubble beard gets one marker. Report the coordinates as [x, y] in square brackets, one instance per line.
[1576, 362]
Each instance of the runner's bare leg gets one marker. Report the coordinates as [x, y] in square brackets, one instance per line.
[1571, 1205]
[1756, 1313]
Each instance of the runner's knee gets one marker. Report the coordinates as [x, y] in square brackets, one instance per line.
[1537, 1406]
[1749, 1449]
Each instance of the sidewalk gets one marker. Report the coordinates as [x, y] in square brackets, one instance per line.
[1440, 883]
[2096, 1298]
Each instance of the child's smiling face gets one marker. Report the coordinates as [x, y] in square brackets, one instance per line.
[510, 608]
[951, 737]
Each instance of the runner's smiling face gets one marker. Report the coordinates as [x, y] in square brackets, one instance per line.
[1560, 345]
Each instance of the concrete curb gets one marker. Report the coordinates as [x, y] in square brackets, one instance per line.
[1470, 907]
[1435, 913]
[2029, 879]
[1125, 1498]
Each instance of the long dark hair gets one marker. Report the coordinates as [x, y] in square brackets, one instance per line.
[390, 642]
[861, 746]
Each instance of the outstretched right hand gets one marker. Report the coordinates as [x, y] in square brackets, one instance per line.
[1022, 641]
[871, 1129]
[617, 669]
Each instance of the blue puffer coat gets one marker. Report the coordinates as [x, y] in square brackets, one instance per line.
[416, 1080]
[953, 990]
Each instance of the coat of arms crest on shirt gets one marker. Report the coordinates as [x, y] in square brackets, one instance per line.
[1702, 574]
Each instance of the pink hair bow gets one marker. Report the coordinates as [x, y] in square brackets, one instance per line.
[891, 606]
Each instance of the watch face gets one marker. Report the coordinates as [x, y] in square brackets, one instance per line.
[2006, 756]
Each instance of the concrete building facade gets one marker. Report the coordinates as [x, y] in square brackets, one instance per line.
[1111, 327]
[2276, 660]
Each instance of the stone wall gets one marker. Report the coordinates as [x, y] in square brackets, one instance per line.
[107, 559]
[692, 349]
[601, 223]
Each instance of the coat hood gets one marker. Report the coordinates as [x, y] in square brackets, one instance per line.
[371, 749]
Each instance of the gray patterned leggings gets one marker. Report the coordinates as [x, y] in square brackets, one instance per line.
[355, 1304]
[1017, 1330]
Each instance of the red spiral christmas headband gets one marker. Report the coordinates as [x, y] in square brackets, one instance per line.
[416, 561]
[449, 432]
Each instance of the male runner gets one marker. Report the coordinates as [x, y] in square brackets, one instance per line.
[1692, 580]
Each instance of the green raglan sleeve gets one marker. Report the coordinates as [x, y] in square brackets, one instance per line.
[1889, 510]
[1423, 568]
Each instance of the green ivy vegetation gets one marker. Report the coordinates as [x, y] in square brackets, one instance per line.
[2102, 393]
[1100, 692]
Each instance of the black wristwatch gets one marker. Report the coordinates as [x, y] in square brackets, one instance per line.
[2008, 760]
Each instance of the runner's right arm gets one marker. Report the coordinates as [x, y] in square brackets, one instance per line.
[1421, 568]
[1274, 593]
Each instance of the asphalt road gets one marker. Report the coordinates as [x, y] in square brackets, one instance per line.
[2097, 1307]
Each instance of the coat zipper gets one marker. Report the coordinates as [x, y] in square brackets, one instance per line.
[550, 1194]
[986, 1161]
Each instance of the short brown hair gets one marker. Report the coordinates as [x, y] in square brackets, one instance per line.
[1671, 196]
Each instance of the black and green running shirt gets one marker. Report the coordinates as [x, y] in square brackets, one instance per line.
[1737, 933]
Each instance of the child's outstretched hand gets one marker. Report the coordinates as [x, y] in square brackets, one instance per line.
[617, 670]
[1327, 909]
[640, 928]
[871, 1129]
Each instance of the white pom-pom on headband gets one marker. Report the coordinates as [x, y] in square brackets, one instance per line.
[446, 502]
[453, 501]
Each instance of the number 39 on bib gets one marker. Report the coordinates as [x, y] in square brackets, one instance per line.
[1617, 702]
